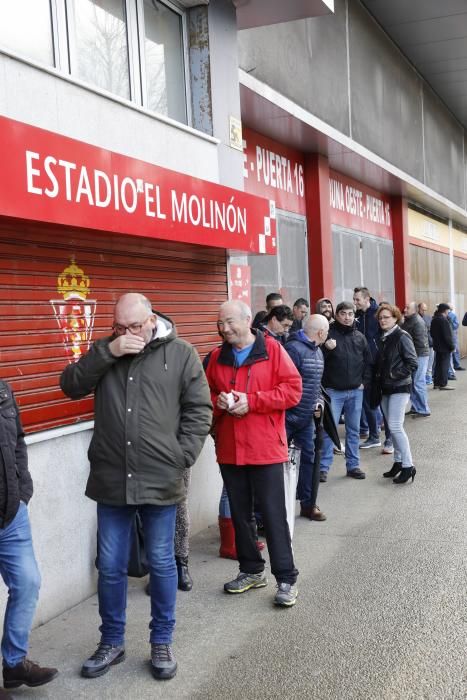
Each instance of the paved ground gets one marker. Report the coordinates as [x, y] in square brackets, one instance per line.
[381, 612]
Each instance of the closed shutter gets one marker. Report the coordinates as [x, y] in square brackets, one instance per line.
[361, 259]
[58, 289]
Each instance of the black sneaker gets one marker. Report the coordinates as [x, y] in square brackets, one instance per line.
[356, 474]
[163, 663]
[105, 656]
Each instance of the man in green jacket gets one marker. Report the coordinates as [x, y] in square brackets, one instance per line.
[152, 415]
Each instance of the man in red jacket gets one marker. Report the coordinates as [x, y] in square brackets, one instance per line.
[253, 381]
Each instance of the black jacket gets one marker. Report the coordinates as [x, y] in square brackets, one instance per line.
[441, 332]
[396, 361]
[152, 415]
[349, 364]
[15, 479]
[367, 324]
[415, 326]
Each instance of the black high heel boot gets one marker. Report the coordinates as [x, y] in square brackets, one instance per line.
[394, 471]
[185, 582]
[405, 475]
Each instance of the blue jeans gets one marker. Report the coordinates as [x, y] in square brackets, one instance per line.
[350, 402]
[303, 435]
[393, 406]
[418, 393]
[456, 357]
[20, 573]
[114, 530]
[224, 505]
[429, 369]
[372, 415]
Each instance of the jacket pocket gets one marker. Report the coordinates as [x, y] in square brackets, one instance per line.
[178, 454]
[8, 417]
[276, 430]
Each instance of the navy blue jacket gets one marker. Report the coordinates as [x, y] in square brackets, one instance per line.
[308, 359]
[368, 325]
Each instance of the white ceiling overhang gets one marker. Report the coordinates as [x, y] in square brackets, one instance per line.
[259, 13]
[272, 114]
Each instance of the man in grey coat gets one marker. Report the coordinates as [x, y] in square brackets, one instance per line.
[152, 415]
[416, 328]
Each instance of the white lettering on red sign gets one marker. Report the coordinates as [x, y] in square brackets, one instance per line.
[274, 170]
[101, 190]
[352, 200]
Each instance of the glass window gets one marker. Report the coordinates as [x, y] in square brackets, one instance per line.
[99, 44]
[26, 28]
[164, 62]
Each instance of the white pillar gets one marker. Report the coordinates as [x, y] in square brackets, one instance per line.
[452, 288]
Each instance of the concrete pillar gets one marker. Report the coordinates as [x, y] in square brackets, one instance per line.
[320, 253]
[400, 230]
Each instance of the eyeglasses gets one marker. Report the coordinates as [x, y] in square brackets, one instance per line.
[134, 328]
[385, 318]
[346, 313]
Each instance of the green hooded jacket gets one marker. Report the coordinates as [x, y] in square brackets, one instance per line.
[152, 415]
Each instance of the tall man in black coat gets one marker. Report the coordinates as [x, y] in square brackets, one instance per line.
[443, 345]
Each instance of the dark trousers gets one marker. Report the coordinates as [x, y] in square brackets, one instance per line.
[440, 375]
[266, 482]
[372, 415]
[303, 436]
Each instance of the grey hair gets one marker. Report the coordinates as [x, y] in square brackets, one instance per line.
[244, 309]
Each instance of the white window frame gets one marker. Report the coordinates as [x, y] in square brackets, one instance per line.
[70, 34]
[142, 58]
[63, 43]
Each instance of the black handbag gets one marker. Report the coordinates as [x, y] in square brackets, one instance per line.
[137, 563]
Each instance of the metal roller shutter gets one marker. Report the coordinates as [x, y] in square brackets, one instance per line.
[58, 289]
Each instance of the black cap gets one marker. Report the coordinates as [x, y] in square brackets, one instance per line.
[443, 307]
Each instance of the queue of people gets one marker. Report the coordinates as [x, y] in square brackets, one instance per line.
[156, 403]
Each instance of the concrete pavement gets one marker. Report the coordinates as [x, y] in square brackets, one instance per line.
[381, 613]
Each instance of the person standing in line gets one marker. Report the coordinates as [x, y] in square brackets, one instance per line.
[395, 363]
[455, 356]
[18, 565]
[253, 381]
[443, 345]
[347, 370]
[300, 311]
[273, 299]
[325, 308]
[152, 415]
[416, 328]
[305, 352]
[277, 323]
[422, 311]
[367, 324]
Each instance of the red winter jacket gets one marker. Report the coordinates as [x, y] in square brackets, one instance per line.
[272, 384]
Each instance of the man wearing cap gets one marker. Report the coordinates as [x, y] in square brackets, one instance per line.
[443, 345]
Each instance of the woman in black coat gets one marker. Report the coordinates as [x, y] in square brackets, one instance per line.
[396, 361]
